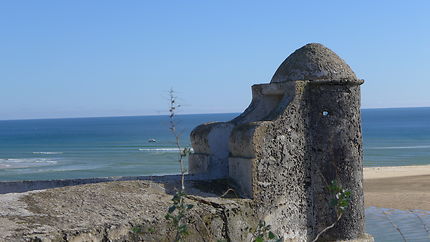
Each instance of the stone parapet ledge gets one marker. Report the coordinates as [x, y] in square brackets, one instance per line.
[109, 211]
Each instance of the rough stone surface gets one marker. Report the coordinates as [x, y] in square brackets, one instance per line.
[299, 133]
[108, 212]
[313, 62]
[210, 141]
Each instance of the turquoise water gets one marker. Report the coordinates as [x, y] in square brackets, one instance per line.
[396, 137]
[118, 146]
[92, 147]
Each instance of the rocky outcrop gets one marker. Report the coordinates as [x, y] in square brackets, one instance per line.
[123, 211]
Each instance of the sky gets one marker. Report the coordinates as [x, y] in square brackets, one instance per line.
[116, 58]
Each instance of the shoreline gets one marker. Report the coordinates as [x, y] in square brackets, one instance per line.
[379, 172]
[398, 187]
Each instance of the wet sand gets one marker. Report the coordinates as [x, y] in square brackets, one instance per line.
[403, 187]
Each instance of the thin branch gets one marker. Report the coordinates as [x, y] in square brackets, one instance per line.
[172, 111]
[327, 228]
[229, 190]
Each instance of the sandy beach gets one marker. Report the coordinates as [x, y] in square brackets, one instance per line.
[401, 187]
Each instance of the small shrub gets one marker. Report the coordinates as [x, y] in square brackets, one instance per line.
[263, 233]
[340, 201]
[341, 197]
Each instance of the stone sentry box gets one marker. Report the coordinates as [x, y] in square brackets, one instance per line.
[300, 132]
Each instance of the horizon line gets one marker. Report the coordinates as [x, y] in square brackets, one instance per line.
[154, 115]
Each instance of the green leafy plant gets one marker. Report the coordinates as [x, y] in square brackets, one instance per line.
[263, 233]
[136, 229]
[177, 212]
[340, 201]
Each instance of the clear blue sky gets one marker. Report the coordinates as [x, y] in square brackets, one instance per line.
[109, 58]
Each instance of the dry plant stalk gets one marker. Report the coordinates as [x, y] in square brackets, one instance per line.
[183, 152]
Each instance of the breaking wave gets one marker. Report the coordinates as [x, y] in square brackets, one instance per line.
[47, 153]
[25, 162]
[160, 149]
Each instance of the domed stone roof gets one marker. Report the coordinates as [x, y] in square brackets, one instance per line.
[313, 62]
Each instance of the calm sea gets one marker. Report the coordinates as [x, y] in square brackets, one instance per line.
[118, 146]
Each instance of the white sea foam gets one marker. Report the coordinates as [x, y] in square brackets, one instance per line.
[25, 162]
[400, 147]
[47, 153]
[160, 149]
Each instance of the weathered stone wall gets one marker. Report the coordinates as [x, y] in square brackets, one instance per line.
[336, 154]
[299, 133]
[210, 141]
[210, 138]
[281, 178]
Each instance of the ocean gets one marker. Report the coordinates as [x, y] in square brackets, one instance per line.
[45, 149]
